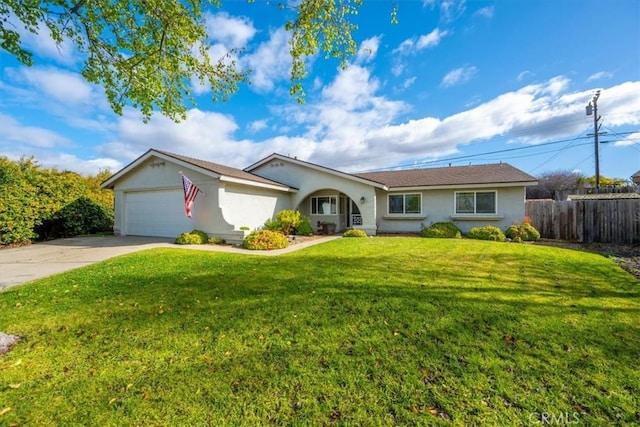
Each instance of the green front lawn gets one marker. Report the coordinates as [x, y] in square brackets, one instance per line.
[375, 331]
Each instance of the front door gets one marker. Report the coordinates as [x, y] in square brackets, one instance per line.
[354, 217]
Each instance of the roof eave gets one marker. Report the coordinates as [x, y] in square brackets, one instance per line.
[258, 184]
[310, 165]
[110, 183]
[459, 186]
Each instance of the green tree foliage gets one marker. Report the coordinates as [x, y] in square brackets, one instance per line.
[47, 203]
[604, 181]
[145, 52]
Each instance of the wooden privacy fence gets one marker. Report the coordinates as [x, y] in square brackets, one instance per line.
[587, 221]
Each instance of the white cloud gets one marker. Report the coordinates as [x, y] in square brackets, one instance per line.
[408, 82]
[451, 10]
[486, 12]
[271, 62]
[633, 139]
[425, 41]
[368, 50]
[82, 166]
[600, 75]
[430, 40]
[204, 135]
[65, 87]
[398, 68]
[47, 147]
[17, 135]
[525, 74]
[619, 105]
[229, 30]
[257, 125]
[458, 76]
[364, 135]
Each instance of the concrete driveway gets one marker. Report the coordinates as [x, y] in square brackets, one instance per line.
[27, 263]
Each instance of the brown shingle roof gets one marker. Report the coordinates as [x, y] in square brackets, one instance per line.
[452, 175]
[222, 169]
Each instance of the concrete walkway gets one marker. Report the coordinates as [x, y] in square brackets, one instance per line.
[27, 263]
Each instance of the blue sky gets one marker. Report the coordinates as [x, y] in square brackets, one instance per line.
[453, 82]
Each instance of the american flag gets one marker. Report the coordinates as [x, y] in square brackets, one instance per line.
[190, 193]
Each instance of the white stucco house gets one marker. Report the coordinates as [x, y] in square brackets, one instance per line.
[149, 196]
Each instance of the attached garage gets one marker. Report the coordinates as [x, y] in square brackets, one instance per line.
[157, 213]
[149, 198]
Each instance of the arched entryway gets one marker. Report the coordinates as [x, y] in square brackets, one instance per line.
[331, 207]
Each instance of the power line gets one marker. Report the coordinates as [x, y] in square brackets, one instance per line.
[559, 151]
[506, 150]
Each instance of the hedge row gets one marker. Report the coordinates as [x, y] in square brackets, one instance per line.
[40, 203]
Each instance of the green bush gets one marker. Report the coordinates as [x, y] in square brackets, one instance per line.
[47, 203]
[245, 228]
[354, 233]
[215, 241]
[488, 232]
[265, 240]
[522, 232]
[195, 237]
[304, 229]
[443, 230]
[290, 222]
[82, 216]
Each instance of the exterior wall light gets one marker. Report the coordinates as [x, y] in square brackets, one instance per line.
[362, 200]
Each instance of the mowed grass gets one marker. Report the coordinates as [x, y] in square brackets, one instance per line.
[378, 331]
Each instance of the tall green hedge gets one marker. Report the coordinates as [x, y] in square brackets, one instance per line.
[48, 203]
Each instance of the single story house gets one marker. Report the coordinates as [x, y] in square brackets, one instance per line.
[149, 196]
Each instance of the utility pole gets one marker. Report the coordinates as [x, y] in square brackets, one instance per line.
[592, 108]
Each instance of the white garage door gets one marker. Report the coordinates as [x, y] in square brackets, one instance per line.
[155, 213]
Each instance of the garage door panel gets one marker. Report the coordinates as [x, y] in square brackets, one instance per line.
[156, 213]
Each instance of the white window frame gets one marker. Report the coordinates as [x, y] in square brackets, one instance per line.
[404, 204]
[314, 204]
[475, 203]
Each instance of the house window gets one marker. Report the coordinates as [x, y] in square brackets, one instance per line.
[476, 202]
[405, 203]
[327, 205]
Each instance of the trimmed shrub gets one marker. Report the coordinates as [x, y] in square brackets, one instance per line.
[215, 241]
[245, 228]
[522, 232]
[304, 229]
[443, 230]
[265, 240]
[354, 233]
[195, 237]
[488, 232]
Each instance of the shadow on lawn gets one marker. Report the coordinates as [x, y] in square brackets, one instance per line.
[242, 285]
[386, 320]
